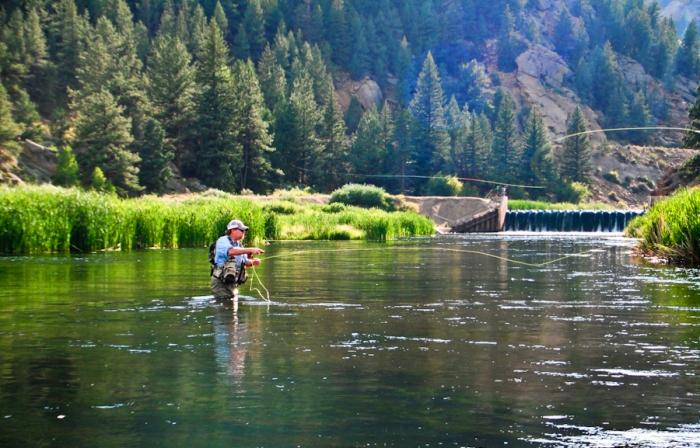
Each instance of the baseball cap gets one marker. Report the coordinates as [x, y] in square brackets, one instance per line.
[236, 224]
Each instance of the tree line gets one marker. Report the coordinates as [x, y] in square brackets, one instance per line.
[241, 95]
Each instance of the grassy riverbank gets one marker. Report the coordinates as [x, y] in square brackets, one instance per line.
[671, 228]
[38, 219]
[522, 204]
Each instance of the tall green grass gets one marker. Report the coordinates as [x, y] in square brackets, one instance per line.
[671, 228]
[51, 219]
[38, 219]
[353, 223]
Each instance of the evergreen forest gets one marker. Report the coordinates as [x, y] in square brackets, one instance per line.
[244, 95]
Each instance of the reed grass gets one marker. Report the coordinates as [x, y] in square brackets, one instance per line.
[39, 219]
[523, 204]
[671, 228]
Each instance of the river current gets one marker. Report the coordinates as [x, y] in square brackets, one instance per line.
[479, 341]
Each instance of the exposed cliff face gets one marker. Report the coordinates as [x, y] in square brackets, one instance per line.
[366, 90]
[539, 82]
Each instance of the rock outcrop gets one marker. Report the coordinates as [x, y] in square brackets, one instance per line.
[539, 81]
[366, 90]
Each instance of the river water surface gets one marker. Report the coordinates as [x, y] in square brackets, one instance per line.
[406, 344]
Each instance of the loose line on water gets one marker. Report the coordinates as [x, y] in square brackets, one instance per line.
[643, 128]
[442, 249]
[556, 140]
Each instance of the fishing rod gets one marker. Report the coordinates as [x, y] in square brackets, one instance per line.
[465, 179]
[642, 128]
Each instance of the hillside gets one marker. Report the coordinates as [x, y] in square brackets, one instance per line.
[255, 95]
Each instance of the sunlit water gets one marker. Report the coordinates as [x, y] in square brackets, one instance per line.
[405, 344]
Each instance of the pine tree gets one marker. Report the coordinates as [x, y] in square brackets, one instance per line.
[477, 148]
[692, 139]
[404, 72]
[638, 116]
[254, 23]
[168, 20]
[109, 61]
[425, 26]
[353, 115]
[13, 36]
[221, 20]
[575, 163]
[427, 108]
[360, 62]
[335, 143]
[639, 35]
[296, 137]
[536, 151]
[339, 33]
[475, 85]
[102, 139]
[402, 158]
[198, 30]
[155, 153]
[216, 154]
[67, 170]
[171, 89]
[241, 44]
[457, 123]
[182, 31]
[273, 81]
[664, 47]
[37, 57]
[67, 29]
[367, 152]
[508, 46]
[9, 130]
[688, 56]
[253, 136]
[505, 151]
[25, 114]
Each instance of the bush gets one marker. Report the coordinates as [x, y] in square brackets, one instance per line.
[367, 196]
[67, 171]
[100, 182]
[581, 191]
[443, 186]
[612, 176]
[282, 207]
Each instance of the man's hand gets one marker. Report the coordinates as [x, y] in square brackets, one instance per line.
[255, 251]
[254, 262]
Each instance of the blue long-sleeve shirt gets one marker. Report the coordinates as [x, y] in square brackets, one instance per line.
[223, 244]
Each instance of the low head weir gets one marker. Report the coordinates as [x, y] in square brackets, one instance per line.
[568, 220]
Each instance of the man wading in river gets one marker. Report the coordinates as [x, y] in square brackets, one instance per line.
[230, 261]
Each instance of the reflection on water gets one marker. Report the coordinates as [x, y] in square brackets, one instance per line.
[404, 344]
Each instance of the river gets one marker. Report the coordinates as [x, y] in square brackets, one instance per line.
[445, 341]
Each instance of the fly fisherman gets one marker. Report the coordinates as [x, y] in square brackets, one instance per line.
[230, 261]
